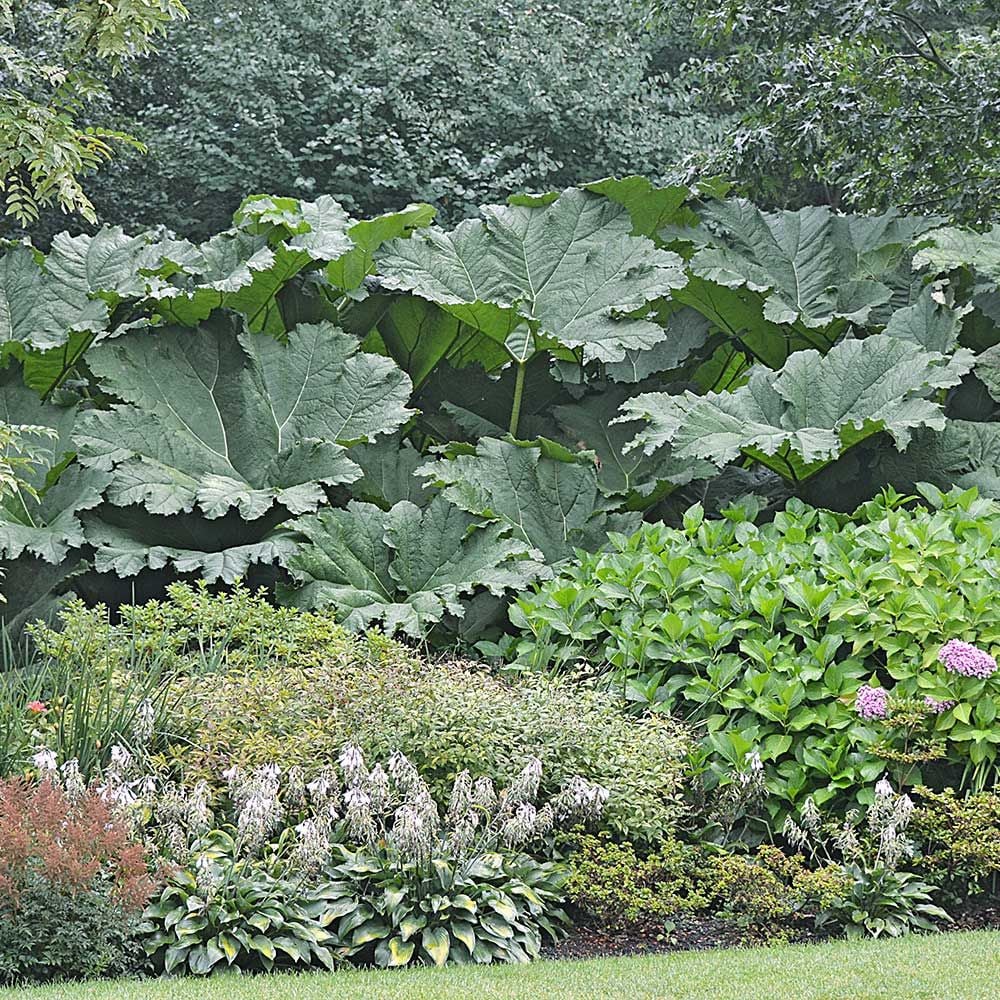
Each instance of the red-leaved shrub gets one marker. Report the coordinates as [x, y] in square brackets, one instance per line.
[71, 842]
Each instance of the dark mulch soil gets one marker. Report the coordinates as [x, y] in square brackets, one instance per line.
[591, 939]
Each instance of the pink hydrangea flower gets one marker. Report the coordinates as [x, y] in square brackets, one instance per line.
[937, 707]
[872, 702]
[963, 658]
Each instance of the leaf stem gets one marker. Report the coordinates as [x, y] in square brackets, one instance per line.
[515, 409]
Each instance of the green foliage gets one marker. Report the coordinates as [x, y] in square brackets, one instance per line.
[234, 911]
[883, 901]
[766, 892]
[304, 364]
[56, 61]
[959, 849]
[763, 635]
[495, 909]
[281, 684]
[56, 935]
[385, 101]
[406, 567]
[863, 103]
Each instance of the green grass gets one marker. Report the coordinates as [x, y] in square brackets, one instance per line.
[936, 967]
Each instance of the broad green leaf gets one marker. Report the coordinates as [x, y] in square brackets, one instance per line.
[405, 567]
[949, 248]
[800, 418]
[569, 268]
[437, 944]
[38, 311]
[216, 420]
[650, 208]
[348, 271]
[544, 493]
[395, 952]
[807, 268]
[590, 424]
[932, 321]
[687, 331]
[388, 466]
[47, 526]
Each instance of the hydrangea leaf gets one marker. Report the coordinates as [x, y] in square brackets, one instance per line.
[406, 567]
[800, 418]
[545, 494]
[215, 419]
[570, 268]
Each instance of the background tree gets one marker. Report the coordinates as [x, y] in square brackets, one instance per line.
[382, 102]
[54, 60]
[863, 104]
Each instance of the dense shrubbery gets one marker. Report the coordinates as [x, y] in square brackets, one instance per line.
[399, 410]
[811, 643]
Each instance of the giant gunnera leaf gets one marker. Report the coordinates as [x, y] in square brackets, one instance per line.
[404, 568]
[41, 533]
[213, 419]
[800, 418]
[555, 273]
[545, 495]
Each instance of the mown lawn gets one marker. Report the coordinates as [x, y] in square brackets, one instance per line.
[942, 967]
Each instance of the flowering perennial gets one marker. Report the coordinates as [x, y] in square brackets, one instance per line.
[872, 702]
[963, 658]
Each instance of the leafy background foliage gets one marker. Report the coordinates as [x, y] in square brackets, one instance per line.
[450, 414]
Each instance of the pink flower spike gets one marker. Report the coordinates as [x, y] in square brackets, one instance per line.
[963, 658]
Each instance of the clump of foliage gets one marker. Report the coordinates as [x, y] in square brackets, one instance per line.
[357, 863]
[863, 104]
[386, 102]
[223, 909]
[771, 637]
[56, 61]
[871, 849]
[958, 845]
[72, 883]
[768, 893]
[259, 683]
[429, 420]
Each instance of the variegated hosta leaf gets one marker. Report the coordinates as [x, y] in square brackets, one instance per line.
[800, 418]
[405, 567]
[570, 268]
[215, 420]
[46, 526]
[545, 494]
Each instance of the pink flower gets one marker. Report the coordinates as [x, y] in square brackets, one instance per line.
[937, 707]
[38, 707]
[963, 658]
[872, 702]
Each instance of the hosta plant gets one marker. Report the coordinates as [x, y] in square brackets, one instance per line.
[454, 888]
[880, 897]
[225, 909]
